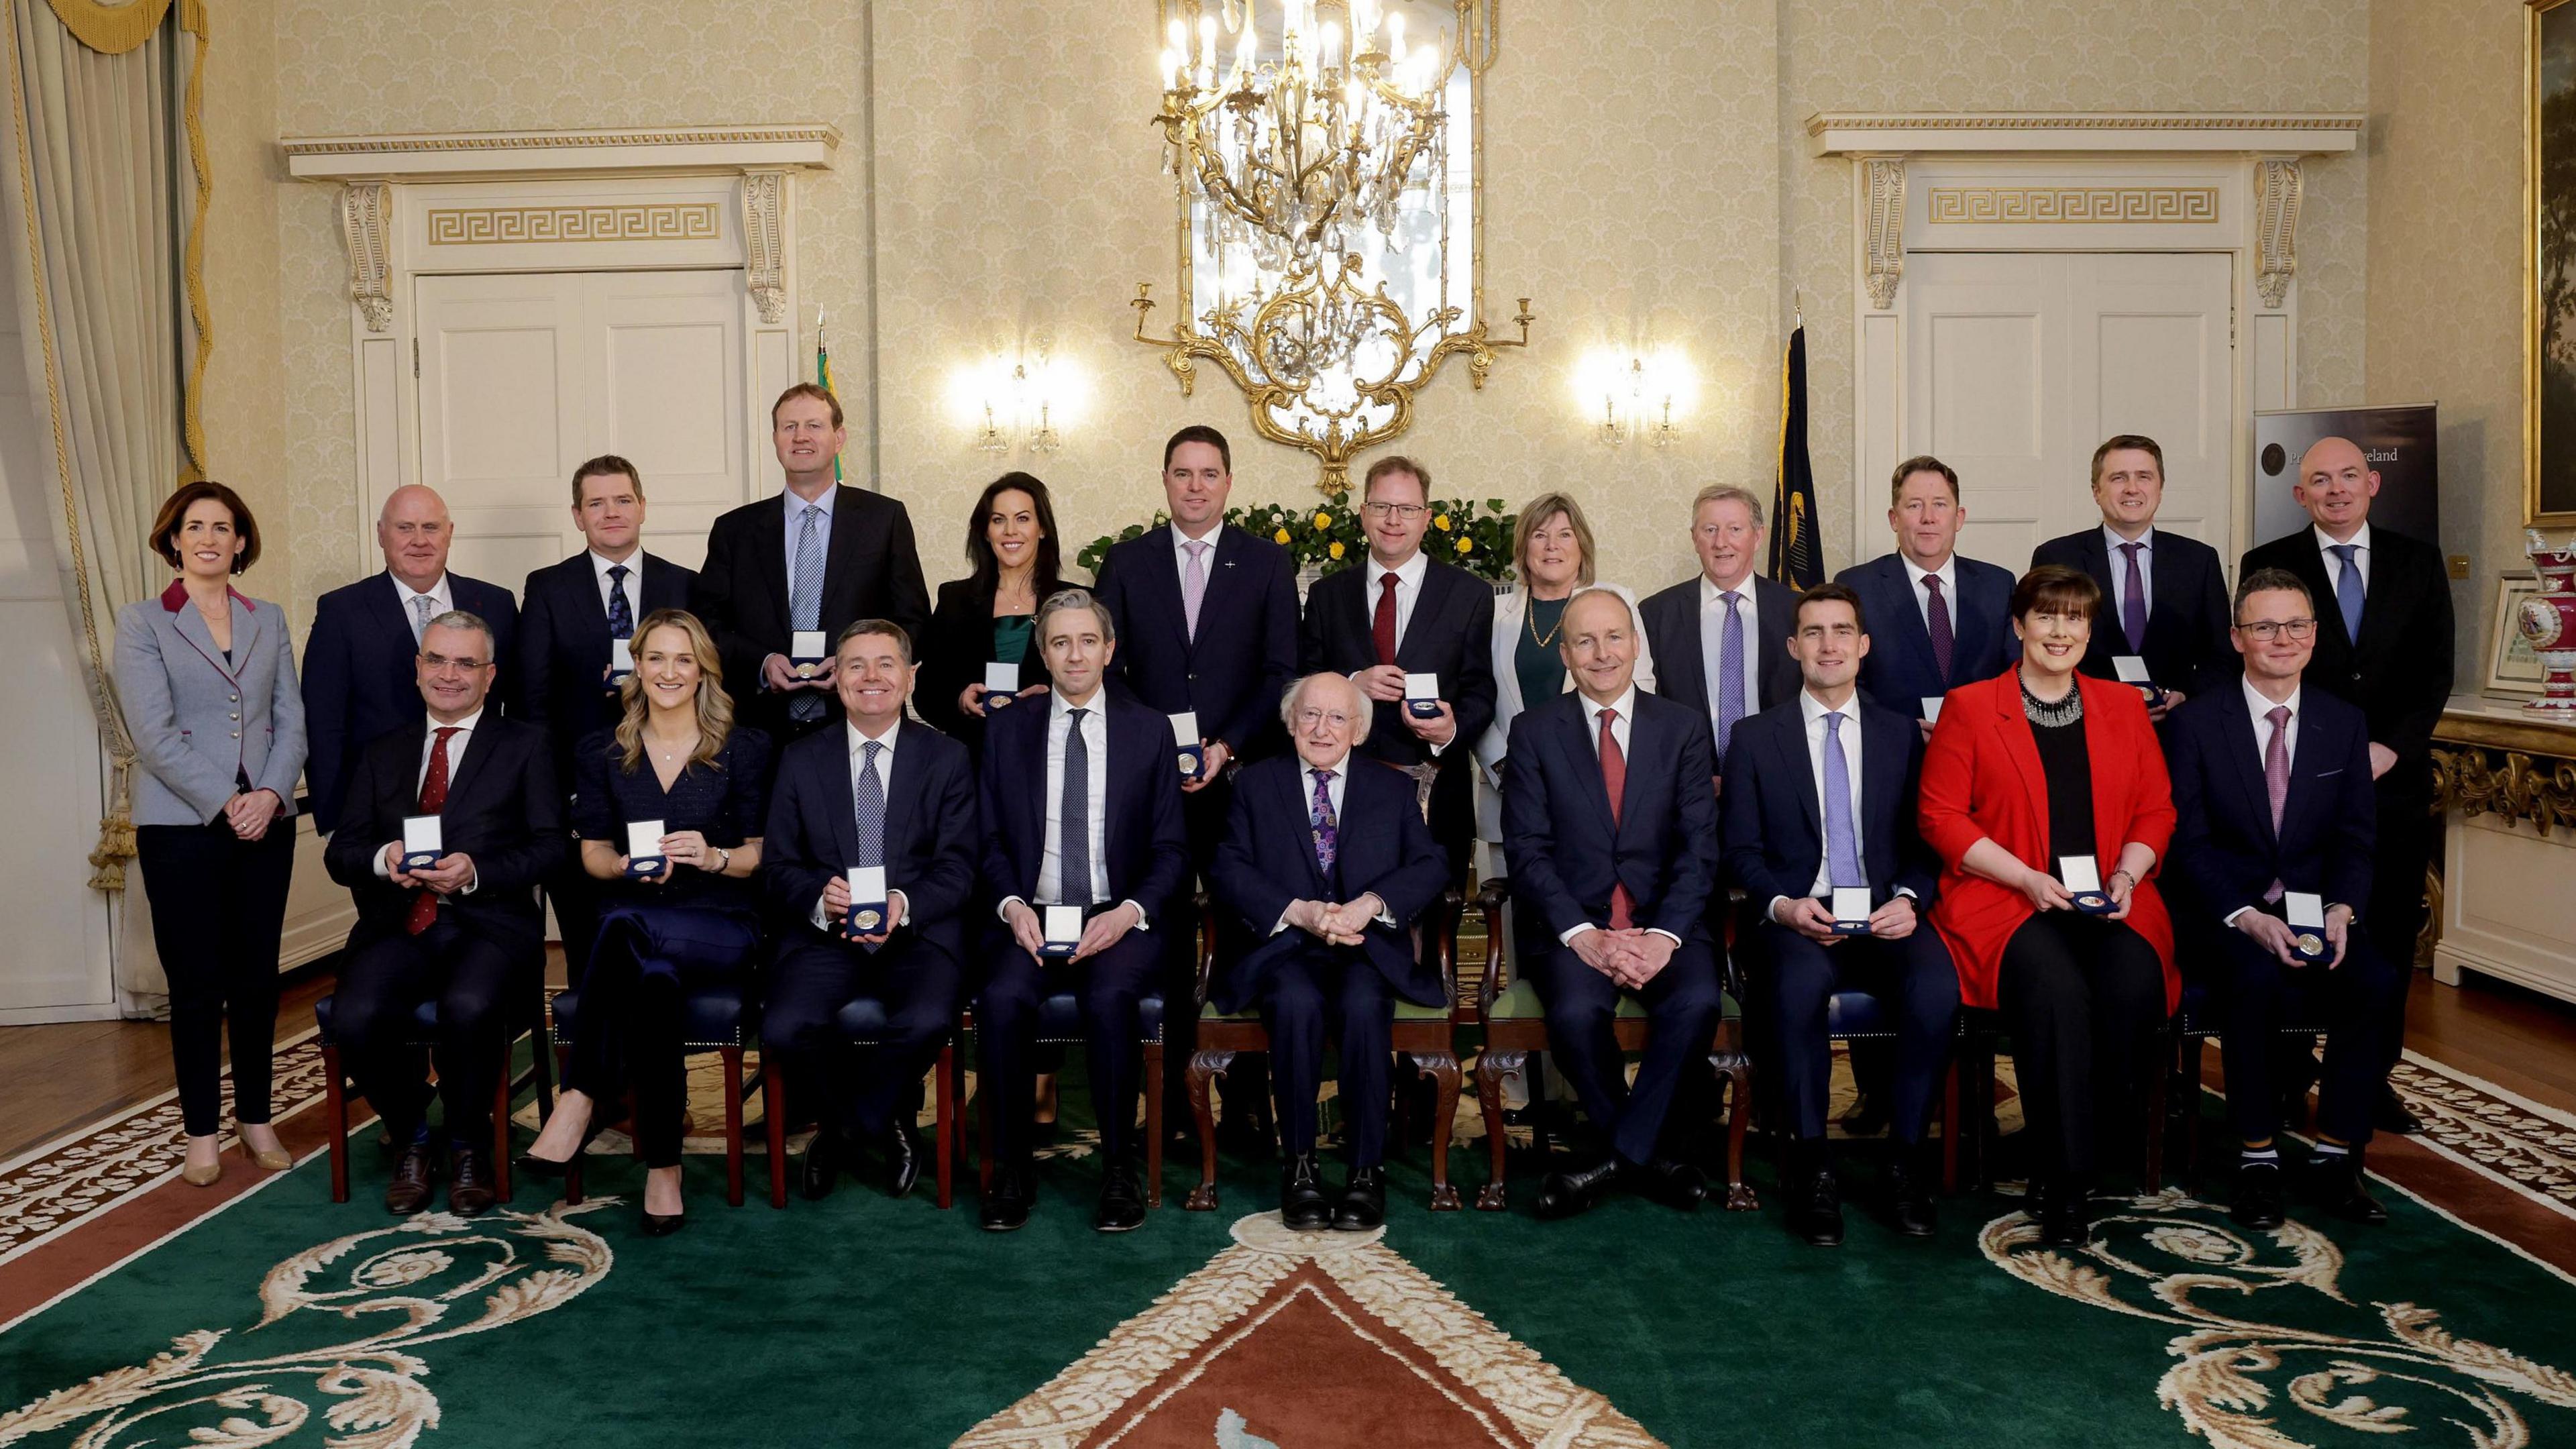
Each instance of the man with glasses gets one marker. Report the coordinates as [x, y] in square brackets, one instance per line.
[462, 929]
[1403, 614]
[1325, 867]
[2273, 853]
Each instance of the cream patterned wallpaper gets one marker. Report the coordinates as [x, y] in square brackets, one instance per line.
[245, 426]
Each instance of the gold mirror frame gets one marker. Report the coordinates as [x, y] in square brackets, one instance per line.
[2536, 205]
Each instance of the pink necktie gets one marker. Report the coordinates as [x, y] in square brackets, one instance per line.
[2276, 778]
[1193, 584]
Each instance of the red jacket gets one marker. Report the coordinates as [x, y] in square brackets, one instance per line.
[1982, 778]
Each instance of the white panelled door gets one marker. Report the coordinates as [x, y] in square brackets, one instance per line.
[2018, 364]
[524, 376]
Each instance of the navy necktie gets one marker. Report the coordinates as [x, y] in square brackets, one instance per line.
[621, 614]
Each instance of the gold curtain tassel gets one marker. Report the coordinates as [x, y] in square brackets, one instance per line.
[114, 29]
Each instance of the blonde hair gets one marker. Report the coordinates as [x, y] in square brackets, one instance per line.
[715, 707]
[1535, 515]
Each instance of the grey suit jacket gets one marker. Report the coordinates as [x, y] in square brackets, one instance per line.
[202, 723]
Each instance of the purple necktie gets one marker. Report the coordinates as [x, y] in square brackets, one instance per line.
[2133, 602]
[1842, 843]
[2276, 778]
[1328, 834]
[1937, 617]
[1194, 584]
[1730, 673]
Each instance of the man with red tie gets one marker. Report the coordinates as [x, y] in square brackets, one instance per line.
[1610, 830]
[463, 929]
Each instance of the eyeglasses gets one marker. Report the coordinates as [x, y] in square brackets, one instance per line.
[440, 663]
[1309, 718]
[2264, 631]
[1406, 511]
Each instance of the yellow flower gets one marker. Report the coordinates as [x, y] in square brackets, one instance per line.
[1337, 548]
[1280, 537]
[1466, 545]
[1323, 520]
[1440, 521]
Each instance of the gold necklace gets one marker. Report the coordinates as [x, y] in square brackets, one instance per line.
[1530, 616]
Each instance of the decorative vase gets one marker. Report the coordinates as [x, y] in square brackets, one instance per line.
[2548, 623]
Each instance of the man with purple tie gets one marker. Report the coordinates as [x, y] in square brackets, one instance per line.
[1941, 619]
[2166, 592]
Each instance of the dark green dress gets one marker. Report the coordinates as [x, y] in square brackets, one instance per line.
[1539, 668]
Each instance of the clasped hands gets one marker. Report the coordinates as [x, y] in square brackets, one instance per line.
[1345, 924]
[450, 874]
[250, 812]
[1384, 683]
[1098, 934]
[1630, 958]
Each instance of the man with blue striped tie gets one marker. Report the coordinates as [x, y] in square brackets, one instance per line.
[1730, 619]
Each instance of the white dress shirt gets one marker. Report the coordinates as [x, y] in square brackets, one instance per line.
[456, 744]
[857, 742]
[632, 585]
[1095, 739]
[795, 512]
[2118, 546]
[441, 596]
[1408, 589]
[1948, 574]
[1712, 627]
[2334, 561]
[1626, 705]
[2260, 708]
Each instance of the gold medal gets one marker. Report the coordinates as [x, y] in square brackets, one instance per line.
[866, 921]
[1189, 763]
[2310, 944]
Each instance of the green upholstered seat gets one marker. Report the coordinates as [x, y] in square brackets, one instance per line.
[1519, 1002]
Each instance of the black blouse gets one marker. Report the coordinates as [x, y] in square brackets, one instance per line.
[962, 641]
[723, 799]
[2069, 772]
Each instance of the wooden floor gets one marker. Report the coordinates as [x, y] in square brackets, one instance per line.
[58, 1079]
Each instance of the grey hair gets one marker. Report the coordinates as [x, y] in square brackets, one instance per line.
[1063, 599]
[1728, 493]
[1364, 709]
[462, 619]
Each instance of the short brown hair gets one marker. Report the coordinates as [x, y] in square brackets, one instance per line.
[606, 465]
[174, 512]
[2131, 442]
[1829, 593]
[1535, 514]
[2264, 581]
[1396, 463]
[1198, 433]
[2055, 586]
[1920, 463]
[886, 627]
[815, 390]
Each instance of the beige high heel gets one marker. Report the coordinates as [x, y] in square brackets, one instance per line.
[273, 1160]
[205, 1176]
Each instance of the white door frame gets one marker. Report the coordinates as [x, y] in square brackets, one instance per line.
[2116, 182]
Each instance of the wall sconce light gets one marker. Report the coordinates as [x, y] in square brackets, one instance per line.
[1012, 402]
[1632, 396]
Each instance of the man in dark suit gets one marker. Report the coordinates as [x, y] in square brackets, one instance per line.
[1942, 620]
[2164, 596]
[1082, 809]
[1325, 867]
[2272, 787]
[881, 794]
[1718, 637]
[358, 680]
[815, 557]
[569, 613]
[1611, 834]
[2383, 644]
[464, 930]
[1403, 612]
[1823, 801]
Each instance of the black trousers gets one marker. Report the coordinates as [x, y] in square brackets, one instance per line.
[2408, 834]
[2082, 997]
[471, 978]
[1915, 983]
[1006, 1024]
[850, 1089]
[218, 906]
[1321, 994]
[2258, 998]
[647, 958]
[1682, 1008]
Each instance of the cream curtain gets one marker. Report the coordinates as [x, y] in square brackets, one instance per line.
[100, 221]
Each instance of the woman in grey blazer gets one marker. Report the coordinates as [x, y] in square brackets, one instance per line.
[207, 678]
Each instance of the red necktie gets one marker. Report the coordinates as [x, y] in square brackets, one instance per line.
[1383, 628]
[433, 799]
[1614, 779]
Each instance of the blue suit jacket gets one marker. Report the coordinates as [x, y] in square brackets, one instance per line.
[563, 647]
[1566, 855]
[1147, 850]
[1267, 860]
[358, 677]
[1234, 672]
[1774, 823]
[930, 830]
[1898, 673]
[2224, 848]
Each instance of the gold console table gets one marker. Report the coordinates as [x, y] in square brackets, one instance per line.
[2504, 898]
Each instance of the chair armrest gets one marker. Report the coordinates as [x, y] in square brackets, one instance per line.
[1490, 897]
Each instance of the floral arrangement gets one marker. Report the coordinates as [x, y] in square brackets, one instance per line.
[1476, 536]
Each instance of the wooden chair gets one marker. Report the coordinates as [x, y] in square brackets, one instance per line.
[863, 1023]
[720, 1019]
[2193, 1027]
[1060, 1024]
[424, 1035]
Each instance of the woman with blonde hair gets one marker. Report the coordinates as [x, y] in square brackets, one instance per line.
[679, 908]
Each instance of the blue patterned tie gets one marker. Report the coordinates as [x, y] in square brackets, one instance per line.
[1328, 831]
[805, 602]
[1842, 843]
[2348, 589]
[1073, 852]
[621, 614]
[867, 794]
[1730, 672]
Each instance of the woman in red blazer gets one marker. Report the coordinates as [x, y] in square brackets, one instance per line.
[2024, 770]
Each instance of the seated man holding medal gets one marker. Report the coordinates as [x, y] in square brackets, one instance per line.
[1820, 834]
[668, 808]
[1085, 851]
[2031, 779]
[2274, 849]
[868, 868]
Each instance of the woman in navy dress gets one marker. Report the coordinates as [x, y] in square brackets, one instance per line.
[675, 758]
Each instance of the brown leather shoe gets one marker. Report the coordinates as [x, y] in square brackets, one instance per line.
[414, 1182]
[469, 1187]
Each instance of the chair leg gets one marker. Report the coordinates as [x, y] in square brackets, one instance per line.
[2153, 1169]
[541, 1064]
[2189, 1057]
[1442, 1069]
[336, 1102]
[1205, 1067]
[945, 1121]
[1491, 1068]
[773, 1112]
[1739, 1119]
[1950, 1127]
[501, 1127]
[1153, 1124]
[732, 1057]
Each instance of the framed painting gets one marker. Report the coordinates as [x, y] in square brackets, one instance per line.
[2549, 343]
[2511, 666]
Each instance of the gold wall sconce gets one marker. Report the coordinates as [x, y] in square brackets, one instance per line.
[1016, 402]
[1631, 397]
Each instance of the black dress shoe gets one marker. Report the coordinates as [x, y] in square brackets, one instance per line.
[1122, 1203]
[469, 1184]
[1006, 1207]
[1363, 1201]
[2389, 1114]
[415, 1181]
[1909, 1194]
[2335, 1184]
[2065, 1215]
[1676, 1185]
[1301, 1195]
[549, 1169]
[1570, 1191]
[902, 1146]
[1816, 1207]
[822, 1166]
[663, 1225]
[2258, 1202]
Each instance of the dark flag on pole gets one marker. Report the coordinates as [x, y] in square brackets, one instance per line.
[1795, 558]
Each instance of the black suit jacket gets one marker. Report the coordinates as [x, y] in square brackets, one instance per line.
[503, 809]
[930, 830]
[1451, 634]
[2399, 671]
[1774, 821]
[562, 656]
[1565, 854]
[358, 676]
[1671, 621]
[2224, 847]
[1146, 850]
[2187, 614]
[1267, 861]
[870, 571]
[954, 656]
[1898, 672]
[1233, 673]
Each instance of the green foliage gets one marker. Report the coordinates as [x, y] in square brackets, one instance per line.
[1476, 536]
